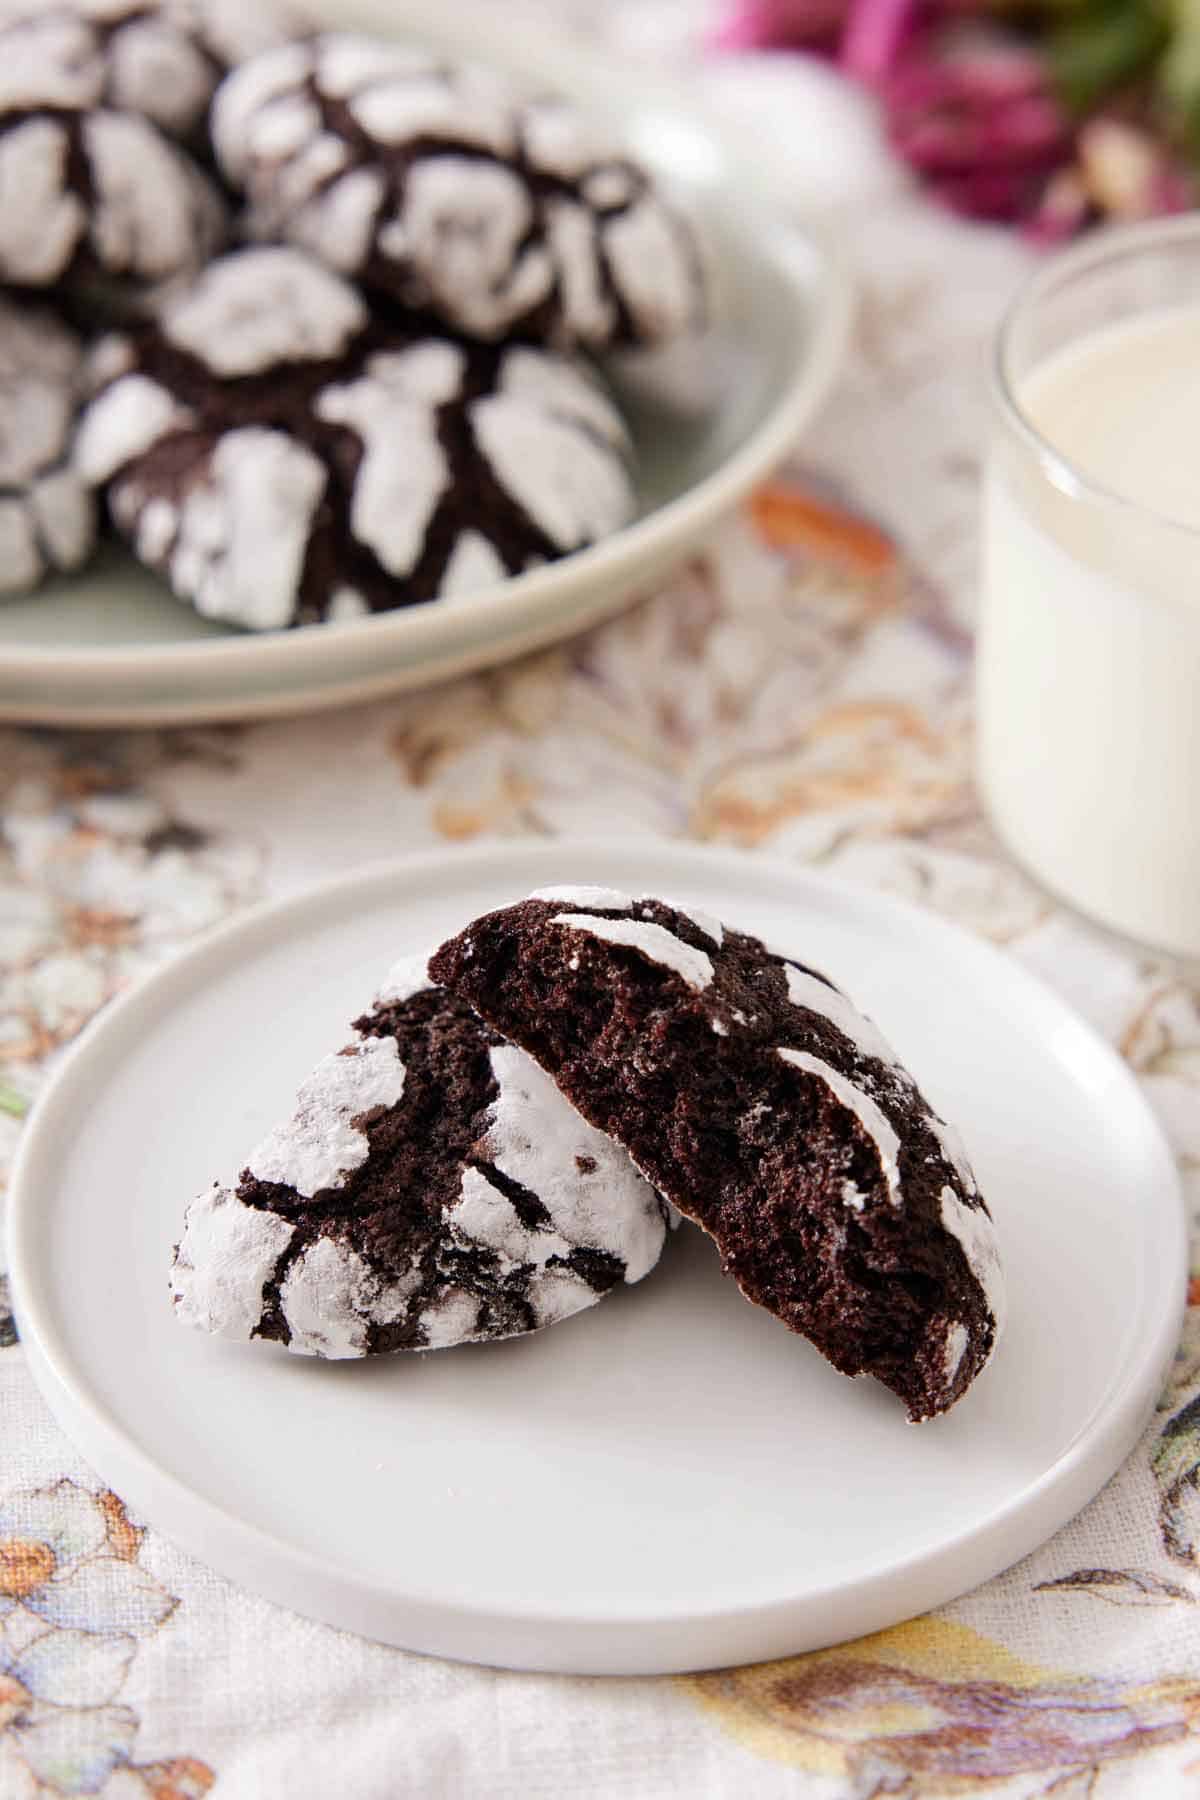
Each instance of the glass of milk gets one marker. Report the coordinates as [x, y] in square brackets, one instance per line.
[1089, 644]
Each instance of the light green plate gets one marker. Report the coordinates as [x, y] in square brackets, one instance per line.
[710, 418]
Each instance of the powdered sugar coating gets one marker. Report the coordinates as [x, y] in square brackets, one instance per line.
[653, 941]
[41, 219]
[481, 1269]
[954, 1150]
[809, 991]
[321, 1143]
[588, 1186]
[473, 564]
[404, 472]
[243, 527]
[141, 210]
[228, 1252]
[602, 899]
[330, 1297]
[484, 1215]
[49, 59]
[453, 1318]
[466, 226]
[248, 313]
[587, 899]
[878, 1129]
[656, 279]
[379, 458]
[975, 1231]
[122, 423]
[507, 214]
[537, 434]
[47, 516]
[407, 976]
[957, 1340]
[161, 59]
[704, 922]
[555, 1294]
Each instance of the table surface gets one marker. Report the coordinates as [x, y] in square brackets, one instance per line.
[804, 688]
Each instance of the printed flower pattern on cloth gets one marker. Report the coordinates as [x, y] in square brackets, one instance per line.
[74, 1606]
[932, 1708]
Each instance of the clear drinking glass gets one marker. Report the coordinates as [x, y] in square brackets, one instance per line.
[1089, 643]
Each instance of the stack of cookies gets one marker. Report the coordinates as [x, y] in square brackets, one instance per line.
[309, 317]
[502, 1141]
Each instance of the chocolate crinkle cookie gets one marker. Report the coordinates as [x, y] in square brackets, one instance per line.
[282, 456]
[756, 1097]
[47, 512]
[160, 58]
[432, 1187]
[445, 186]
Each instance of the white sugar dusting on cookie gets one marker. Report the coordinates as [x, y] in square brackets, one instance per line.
[261, 307]
[586, 1183]
[878, 1129]
[125, 421]
[958, 1339]
[954, 1150]
[976, 1233]
[814, 995]
[244, 531]
[453, 1318]
[654, 942]
[594, 899]
[320, 1145]
[483, 1215]
[408, 976]
[330, 1297]
[227, 1254]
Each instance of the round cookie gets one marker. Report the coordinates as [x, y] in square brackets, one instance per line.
[100, 195]
[446, 187]
[162, 59]
[431, 1188]
[281, 456]
[47, 513]
[757, 1099]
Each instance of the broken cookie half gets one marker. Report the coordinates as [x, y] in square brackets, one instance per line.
[432, 1187]
[757, 1099]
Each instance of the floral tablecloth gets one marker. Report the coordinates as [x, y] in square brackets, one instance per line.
[803, 687]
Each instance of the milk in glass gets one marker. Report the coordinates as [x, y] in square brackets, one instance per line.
[1089, 648]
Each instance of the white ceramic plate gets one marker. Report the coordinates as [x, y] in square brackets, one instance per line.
[670, 1480]
[709, 419]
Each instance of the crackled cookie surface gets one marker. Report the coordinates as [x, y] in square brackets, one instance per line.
[47, 512]
[445, 186]
[100, 195]
[432, 1187]
[282, 457]
[160, 58]
[757, 1098]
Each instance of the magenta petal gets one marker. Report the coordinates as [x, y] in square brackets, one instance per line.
[875, 31]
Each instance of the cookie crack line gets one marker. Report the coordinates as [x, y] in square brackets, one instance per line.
[467, 1202]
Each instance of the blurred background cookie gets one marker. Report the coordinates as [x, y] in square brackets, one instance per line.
[283, 456]
[444, 186]
[47, 514]
[89, 196]
[160, 58]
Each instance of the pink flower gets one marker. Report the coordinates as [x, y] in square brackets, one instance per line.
[975, 114]
[782, 24]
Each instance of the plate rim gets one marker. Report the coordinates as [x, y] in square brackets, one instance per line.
[1011, 1530]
